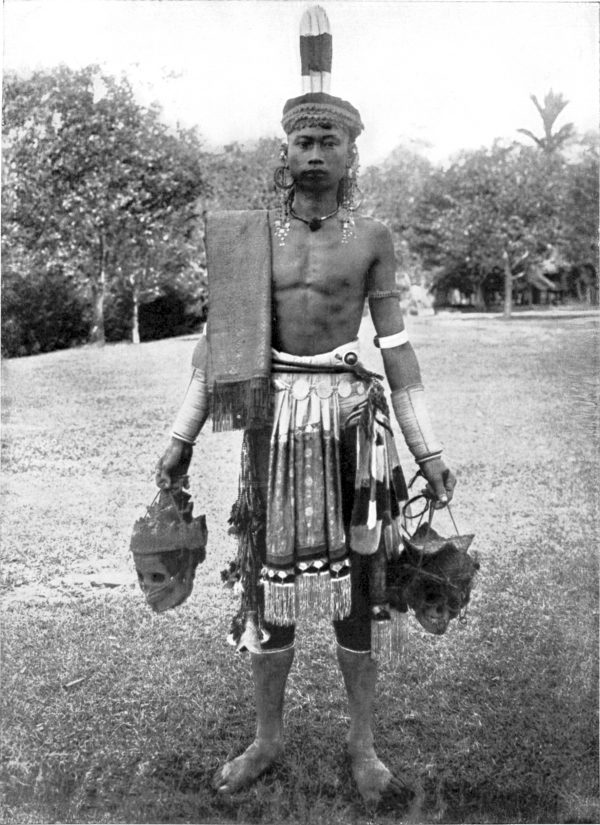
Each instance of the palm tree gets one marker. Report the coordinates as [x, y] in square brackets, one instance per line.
[549, 111]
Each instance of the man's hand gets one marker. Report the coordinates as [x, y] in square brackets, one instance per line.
[173, 463]
[440, 481]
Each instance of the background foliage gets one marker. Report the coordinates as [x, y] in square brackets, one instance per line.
[102, 213]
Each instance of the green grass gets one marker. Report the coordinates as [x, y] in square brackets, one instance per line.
[112, 714]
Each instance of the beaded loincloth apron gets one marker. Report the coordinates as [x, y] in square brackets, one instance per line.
[334, 489]
[307, 563]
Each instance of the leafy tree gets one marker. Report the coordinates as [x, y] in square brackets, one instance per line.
[581, 201]
[41, 311]
[241, 177]
[94, 183]
[392, 192]
[490, 214]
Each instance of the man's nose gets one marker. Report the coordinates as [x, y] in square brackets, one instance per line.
[316, 155]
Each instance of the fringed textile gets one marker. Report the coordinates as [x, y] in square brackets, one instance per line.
[238, 250]
[307, 562]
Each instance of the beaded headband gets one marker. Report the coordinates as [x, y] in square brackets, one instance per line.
[316, 105]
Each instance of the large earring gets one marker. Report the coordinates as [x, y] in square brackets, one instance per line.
[350, 195]
[284, 183]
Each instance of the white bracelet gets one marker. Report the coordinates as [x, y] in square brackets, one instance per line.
[411, 411]
[389, 341]
[194, 409]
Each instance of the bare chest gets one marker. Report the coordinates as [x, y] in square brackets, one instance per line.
[319, 261]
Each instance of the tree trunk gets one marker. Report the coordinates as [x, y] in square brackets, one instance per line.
[135, 321]
[478, 299]
[507, 287]
[97, 335]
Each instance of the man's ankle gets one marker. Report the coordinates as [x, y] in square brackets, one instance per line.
[270, 741]
[361, 746]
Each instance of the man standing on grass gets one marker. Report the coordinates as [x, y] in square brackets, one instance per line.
[318, 508]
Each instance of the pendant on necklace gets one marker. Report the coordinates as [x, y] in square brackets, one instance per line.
[314, 224]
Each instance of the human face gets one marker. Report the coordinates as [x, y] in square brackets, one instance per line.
[317, 156]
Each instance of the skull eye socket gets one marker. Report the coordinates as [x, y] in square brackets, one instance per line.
[155, 578]
[431, 596]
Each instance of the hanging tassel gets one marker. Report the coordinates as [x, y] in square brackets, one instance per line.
[315, 50]
[388, 633]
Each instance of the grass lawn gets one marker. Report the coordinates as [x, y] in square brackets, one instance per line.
[111, 714]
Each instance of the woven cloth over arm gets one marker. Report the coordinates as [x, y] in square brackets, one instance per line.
[238, 248]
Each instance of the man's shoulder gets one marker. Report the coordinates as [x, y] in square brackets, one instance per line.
[372, 229]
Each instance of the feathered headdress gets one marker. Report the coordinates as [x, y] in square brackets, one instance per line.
[316, 105]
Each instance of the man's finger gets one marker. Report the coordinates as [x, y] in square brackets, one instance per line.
[162, 478]
[450, 483]
[438, 492]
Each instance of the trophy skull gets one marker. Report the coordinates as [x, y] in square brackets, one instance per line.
[162, 588]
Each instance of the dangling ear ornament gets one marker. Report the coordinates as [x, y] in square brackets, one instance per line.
[351, 196]
[284, 183]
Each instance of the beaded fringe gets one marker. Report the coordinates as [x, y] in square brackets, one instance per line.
[341, 597]
[388, 638]
[280, 602]
[317, 593]
[314, 592]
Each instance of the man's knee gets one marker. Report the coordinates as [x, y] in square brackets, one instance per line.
[354, 634]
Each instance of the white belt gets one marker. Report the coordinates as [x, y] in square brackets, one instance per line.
[345, 354]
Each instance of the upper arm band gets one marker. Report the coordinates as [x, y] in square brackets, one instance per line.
[383, 293]
[389, 341]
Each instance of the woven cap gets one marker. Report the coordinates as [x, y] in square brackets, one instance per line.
[319, 107]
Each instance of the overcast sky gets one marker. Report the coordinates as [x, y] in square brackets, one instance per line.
[450, 74]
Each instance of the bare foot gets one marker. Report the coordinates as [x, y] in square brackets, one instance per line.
[245, 769]
[374, 780]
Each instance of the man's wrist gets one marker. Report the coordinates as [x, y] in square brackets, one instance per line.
[179, 439]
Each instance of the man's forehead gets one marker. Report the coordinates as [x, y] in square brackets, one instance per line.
[321, 130]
